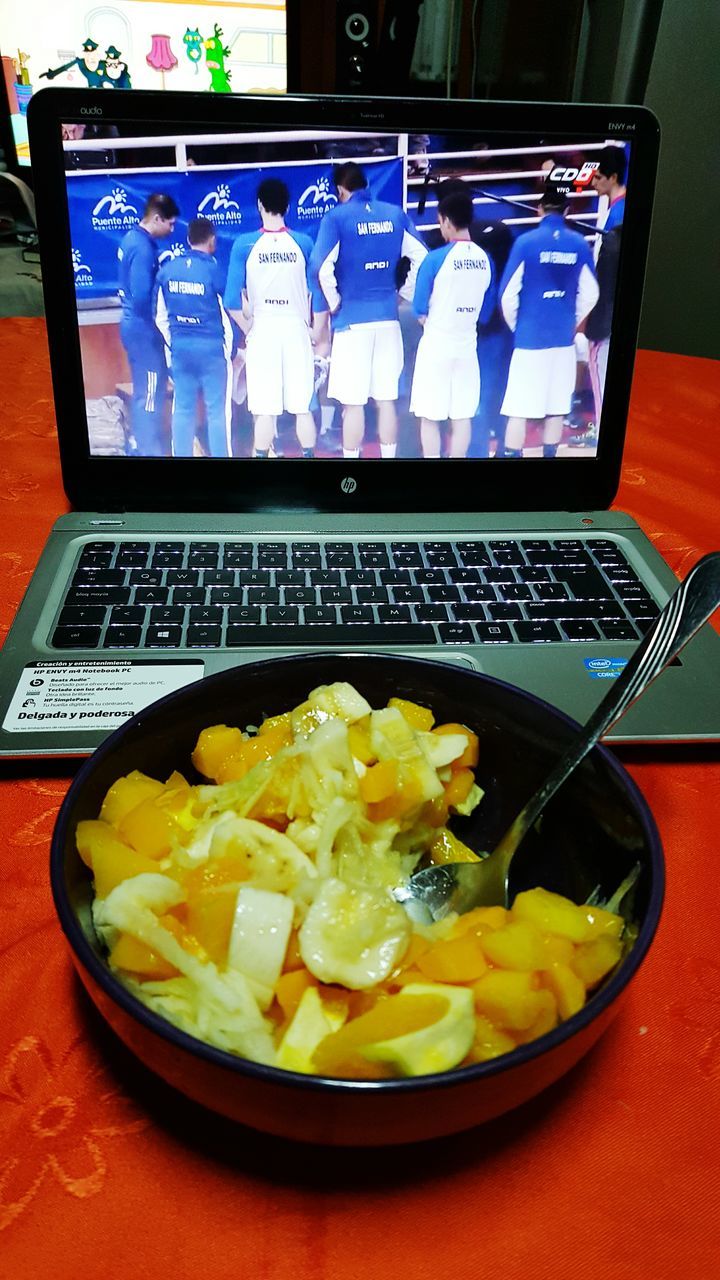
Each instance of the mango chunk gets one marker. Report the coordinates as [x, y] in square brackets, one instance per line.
[419, 717]
[126, 794]
[490, 1041]
[213, 747]
[445, 847]
[509, 999]
[110, 858]
[551, 913]
[593, 960]
[150, 829]
[567, 988]
[517, 945]
[453, 960]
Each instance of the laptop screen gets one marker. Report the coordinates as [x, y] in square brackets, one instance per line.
[329, 293]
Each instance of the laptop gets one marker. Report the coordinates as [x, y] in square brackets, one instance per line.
[397, 344]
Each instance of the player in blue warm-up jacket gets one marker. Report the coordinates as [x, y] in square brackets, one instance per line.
[547, 290]
[199, 336]
[267, 294]
[138, 257]
[355, 263]
[452, 287]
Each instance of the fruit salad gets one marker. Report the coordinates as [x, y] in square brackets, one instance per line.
[255, 911]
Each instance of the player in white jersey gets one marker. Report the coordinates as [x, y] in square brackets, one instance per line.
[453, 286]
[267, 293]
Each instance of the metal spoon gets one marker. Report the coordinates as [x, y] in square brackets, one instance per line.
[460, 886]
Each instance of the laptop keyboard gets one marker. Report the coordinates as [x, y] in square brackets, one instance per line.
[185, 594]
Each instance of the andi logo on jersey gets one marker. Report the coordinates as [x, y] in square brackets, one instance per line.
[315, 199]
[218, 206]
[114, 213]
[83, 274]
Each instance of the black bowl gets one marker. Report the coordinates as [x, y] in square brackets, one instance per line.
[591, 834]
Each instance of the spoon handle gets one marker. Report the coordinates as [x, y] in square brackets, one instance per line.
[689, 606]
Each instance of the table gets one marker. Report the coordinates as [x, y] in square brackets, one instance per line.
[611, 1175]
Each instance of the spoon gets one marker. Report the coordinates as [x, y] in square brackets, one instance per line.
[459, 886]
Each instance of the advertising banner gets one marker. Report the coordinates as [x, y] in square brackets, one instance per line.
[104, 206]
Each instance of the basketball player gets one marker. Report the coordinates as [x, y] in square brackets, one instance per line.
[547, 290]
[358, 248]
[198, 333]
[452, 283]
[267, 294]
[138, 254]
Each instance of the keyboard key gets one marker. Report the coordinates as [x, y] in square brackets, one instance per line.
[131, 559]
[264, 595]
[395, 613]
[122, 637]
[98, 595]
[536, 632]
[456, 633]
[383, 633]
[167, 613]
[335, 595]
[500, 575]
[493, 632]
[218, 578]
[282, 614]
[432, 613]
[206, 613]
[188, 595]
[76, 637]
[152, 595]
[372, 595]
[468, 612]
[127, 614]
[227, 595]
[357, 613]
[299, 595]
[612, 630]
[533, 573]
[550, 591]
[203, 635]
[274, 560]
[407, 560]
[574, 609]
[374, 560]
[203, 559]
[504, 612]
[162, 636]
[443, 594]
[459, 576]
[248, 613]
[254, 578]
[82, 615]
[446, 557]
[642, 609]
[294, 577]
[182, 577]
[408, 595]
[583, 630]
[92, 577]
[426, 576]
[320, 613]
[515, 557]
[479, 593]
[512, 591]
[360, 578]
[95, 560]
[166, 560]
[304, 560]
[145, 577]
[585, 584]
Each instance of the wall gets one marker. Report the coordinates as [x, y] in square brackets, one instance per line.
[681, 308]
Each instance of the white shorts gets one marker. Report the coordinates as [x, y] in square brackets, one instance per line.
[279, 366]
[444, 385]
[540, 383]
[366, 362]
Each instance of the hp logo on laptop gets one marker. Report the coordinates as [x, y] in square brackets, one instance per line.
[348, 485]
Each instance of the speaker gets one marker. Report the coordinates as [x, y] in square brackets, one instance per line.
[396, 45]
[357, 24]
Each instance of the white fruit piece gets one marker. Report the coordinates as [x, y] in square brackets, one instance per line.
[353, 935]
[259, 938]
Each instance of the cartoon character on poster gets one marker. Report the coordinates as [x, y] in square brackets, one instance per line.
[215, 55]
[90, 65]
[117, 73]
[161, 57]
[193, 42]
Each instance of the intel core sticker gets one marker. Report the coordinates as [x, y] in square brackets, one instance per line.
[604, 668]
[52, 697]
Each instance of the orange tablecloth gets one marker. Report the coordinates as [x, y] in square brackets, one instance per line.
[612, 1174]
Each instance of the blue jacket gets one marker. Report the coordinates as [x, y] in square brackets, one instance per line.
[189, 306]
[548, 285]
[138, 255]
[355, 259]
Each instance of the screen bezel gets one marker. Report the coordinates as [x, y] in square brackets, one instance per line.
[111, 483]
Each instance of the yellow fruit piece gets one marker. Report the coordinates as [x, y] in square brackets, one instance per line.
[340, 1054]
[601, 922]
[126, 794]
[547, 1018]
[508, 998]
[213, 747]
[404, 801]
[593, 960]
[209, 915]
[290, 988]
[280, 796]
[470, 755]
[150, 829]
[133, 956]
[359, 742]
[112, 860]
[490, 1041]
[517, 945]
[480, 919]
[445, 847]
[551, 913]
[273, 724]
[417, 716]
[557, 949]
[567, 988]
[459, 787]
[249, 753]
[453, 960]
[379, 782]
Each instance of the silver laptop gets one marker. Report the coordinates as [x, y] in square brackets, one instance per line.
[339, 374]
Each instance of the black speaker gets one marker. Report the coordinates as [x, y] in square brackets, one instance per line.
[356, 41]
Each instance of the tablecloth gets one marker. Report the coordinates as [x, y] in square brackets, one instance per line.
[612, 1174]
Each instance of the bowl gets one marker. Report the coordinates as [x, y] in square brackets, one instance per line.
[591, 834]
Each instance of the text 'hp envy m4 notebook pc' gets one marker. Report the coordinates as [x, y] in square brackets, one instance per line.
[339, 374]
